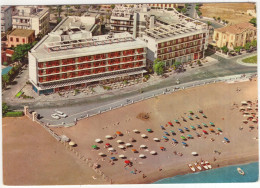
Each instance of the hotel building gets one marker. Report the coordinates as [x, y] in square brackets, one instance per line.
[185, 40]
[31, 17]
[20, 36]
[70, 57]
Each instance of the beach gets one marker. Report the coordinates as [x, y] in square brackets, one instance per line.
[220, 103]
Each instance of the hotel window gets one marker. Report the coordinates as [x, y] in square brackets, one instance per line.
[11, 39]
[17, 39]
[23, 40]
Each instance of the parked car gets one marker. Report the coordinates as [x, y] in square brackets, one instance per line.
[61, 114]
[55, 116]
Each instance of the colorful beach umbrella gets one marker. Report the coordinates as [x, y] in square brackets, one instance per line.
[212, 130]
[166, 133]
[170, 123]
[173, 133]
[174, 140]
[118, 133]
[176, 121]
[219, 130]
[226, 139]
[198, 126]
[193, 127]
[134, 150]
[165, 137]
[162, 147]
[196, 116]
[200, 111]
[190, 112]
[184, 143]
[190, 117]
[204, 115]
[127, 162]
[186, 128]
[189, 136]
[162, 127]
[211, 123]
[205, 132]
[113, 158]
[98, 140]
[156, 139]
[183, 137]
[180, 130]
[108, 136]
[136, 131]
[204, 124]
[153, 152]
[149, 130]
[94, 146]
[107, 144]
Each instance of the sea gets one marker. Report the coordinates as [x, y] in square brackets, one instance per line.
[227, 174]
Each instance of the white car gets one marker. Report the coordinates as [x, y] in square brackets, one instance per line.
[61, 114]
[55, 116]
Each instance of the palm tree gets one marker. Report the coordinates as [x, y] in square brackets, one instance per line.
[59, 9]
[108, 18]
[67, 7]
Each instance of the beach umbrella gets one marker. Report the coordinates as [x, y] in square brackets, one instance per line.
[127, 162]
[189, 136]
[166, 138]
[212, 130]
[251, 126]
[183, 137]
[180, 130]
[143, 146]
[156, 139]
[134, 150]
[200, 111]
[107, 144]
[94, 146]
[205, 132]
[184, 143]
[162, 147]
[243, 102]
[113, 158]
[219, 130]
[204, 115]
[111, 149]
[198, 134]
[149, 130]
[193, 127]
[166, 133]
[162, 127]
[98, 140]
[71, 143]
[196, 116]
[249, 108]
[190, 117]
[194, 153]
[118, 133]
[186, 129]
[132, 140]
[170, 123]
[101, 154]
[198, 126]
[144, 136]
[254, 120]
[108, 136]
[245, 121]
[176, 121]
[190, 112]
[121, 146]
[141, 155]
[226, 139]
[211, 123]
[128, 144]
[136, 131]
[119, 141]
[204, 124]
[153, 152]
[121, 156]
[174, 140]
[173, 133]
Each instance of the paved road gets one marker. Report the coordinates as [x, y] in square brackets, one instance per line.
[225, 67]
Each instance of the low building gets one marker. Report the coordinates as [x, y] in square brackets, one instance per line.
[70, 57]
[234, 35]
[6, 18]
[185, 40]
[32, 17]
[20, 36]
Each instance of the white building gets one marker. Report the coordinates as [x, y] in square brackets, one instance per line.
[6, 18]
[70, 57]
[32, 17]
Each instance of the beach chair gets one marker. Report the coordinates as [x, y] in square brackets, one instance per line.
[186, 129]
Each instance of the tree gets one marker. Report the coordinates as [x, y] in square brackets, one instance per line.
[6, 79]
[77, 6]
[5, 108]
[21, 51]
[253, 21]
[224, 49]
[214, 17]
[59, 10]
[183, 10]
[178, 9]
[67, 7]
[176, 65]
[254, 43]
[209, 23]
[238, 49]
[112, 6]
[218, 18]
[247, 46]
[158, 66]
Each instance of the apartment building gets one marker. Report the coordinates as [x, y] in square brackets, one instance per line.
[32, 17]
[20, 36]
[70, 57]
[183, 41]
[234, 35]
[6, 18]
[167, 5]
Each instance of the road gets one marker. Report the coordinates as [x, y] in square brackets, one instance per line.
[225, 67]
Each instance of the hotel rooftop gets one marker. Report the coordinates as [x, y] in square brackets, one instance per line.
[71, 39]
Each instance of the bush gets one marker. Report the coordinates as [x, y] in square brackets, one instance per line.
[169, 9]
[14, 114]
[107, 88]
[5, 63]
[147, 76]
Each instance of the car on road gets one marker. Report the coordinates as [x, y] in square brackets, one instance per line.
[55, 116]
[61, 114]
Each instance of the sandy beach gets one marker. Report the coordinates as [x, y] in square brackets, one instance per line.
[217, 102]
[51, 163]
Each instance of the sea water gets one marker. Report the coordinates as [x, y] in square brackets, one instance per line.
[220, 175]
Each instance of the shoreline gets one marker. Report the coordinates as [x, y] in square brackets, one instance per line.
[183, 169]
